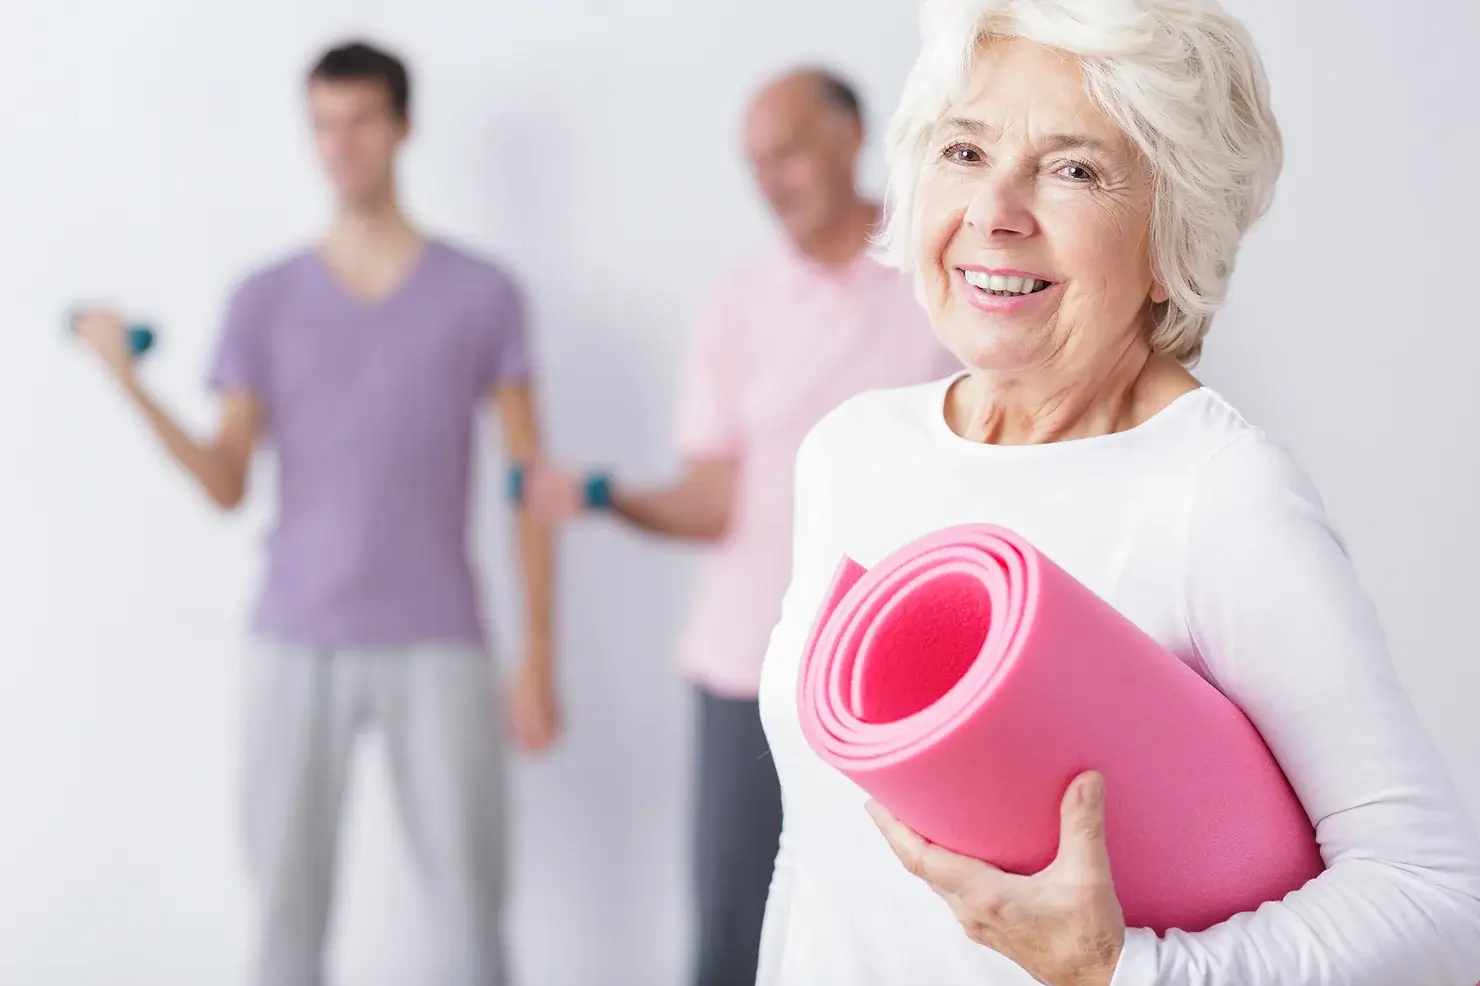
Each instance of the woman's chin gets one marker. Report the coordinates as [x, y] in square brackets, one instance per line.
[999, 352]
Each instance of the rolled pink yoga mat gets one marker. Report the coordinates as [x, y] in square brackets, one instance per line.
[966, 679]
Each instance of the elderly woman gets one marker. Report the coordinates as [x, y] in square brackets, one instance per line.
[1070, 182]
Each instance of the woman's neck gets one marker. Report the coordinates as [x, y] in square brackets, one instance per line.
[1050, 405]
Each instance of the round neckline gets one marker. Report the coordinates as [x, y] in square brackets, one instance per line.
[942, 428]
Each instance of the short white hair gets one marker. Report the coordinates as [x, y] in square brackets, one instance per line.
[1181, 79]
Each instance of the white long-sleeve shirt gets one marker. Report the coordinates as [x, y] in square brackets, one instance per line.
[1209, 537]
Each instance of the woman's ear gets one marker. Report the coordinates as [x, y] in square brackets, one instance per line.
[1158, 293]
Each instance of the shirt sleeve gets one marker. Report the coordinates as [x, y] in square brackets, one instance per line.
[503, 341]
[241, 351]
[1285, 629]
[706, 418]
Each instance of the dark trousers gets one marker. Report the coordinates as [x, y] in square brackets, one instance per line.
[737, 821]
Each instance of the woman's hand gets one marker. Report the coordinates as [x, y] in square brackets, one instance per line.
[1062, 924]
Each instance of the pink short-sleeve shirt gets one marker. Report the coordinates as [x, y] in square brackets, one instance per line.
[778, 343]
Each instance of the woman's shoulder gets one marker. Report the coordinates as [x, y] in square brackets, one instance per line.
[1241, 469]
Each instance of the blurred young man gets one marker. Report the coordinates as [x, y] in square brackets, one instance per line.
[779, 342]
[363, 361]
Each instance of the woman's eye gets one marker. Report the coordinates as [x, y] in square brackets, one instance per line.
[962, 154]
[1078, 173]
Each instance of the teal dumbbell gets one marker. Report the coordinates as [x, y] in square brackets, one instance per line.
[140, 339]
[141, 336]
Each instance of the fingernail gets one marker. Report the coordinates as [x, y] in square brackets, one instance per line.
[1091, 791]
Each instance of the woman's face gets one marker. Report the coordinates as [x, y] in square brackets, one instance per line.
[1034, 220]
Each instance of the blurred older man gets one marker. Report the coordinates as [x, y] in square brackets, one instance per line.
[779, 341]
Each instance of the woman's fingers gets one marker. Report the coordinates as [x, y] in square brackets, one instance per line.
[947, 872]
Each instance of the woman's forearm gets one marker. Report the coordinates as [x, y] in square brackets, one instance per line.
[1362, 923]
[1287, 631]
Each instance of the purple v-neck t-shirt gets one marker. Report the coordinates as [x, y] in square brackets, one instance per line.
[371, 410]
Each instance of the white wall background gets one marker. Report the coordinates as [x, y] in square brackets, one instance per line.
[155, 149]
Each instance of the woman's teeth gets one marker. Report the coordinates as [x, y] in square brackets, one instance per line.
[1002, 284]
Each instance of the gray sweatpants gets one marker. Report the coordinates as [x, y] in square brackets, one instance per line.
[737, 822]
[438, 713]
